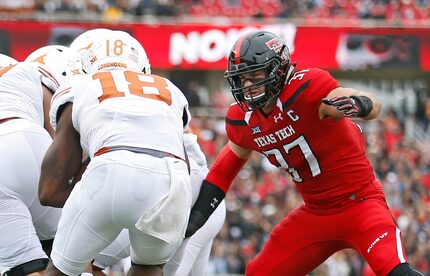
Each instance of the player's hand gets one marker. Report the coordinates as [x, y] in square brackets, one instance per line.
[349, 106]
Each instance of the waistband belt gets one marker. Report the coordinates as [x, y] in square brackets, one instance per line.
[7, 119]
[151, 152]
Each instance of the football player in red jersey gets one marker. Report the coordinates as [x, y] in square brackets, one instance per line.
[300, 120]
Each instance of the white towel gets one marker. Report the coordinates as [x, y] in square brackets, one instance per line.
[168, 219]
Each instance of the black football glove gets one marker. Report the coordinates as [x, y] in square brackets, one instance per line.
[353, 106]
[210, 197]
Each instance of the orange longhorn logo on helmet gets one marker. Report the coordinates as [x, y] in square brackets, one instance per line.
[40, 59]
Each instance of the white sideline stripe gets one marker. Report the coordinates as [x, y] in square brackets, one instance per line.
[399, 247]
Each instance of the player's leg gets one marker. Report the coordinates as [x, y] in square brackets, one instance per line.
[20, 249]
[297, 245]
[378, 239]
[45, 218]
[145, 270]
[171, 267]
[159, 232]
[149, 254]
[114, 253]
[87, 222]
[120, 248]
[97, 271]
[191, 256]
[109, 197]
[52, 270]
[200, 265]
[197, 251]
[24, 269]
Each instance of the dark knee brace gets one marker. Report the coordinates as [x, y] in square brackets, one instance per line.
[28, 268]
[404, 269]
[159, 265]
[47, 246]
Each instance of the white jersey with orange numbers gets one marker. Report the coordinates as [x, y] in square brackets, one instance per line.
[125, 108]
[21, 93]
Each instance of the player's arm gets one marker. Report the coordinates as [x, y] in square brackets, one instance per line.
[61, 162]
[227, 165]
[349, 102]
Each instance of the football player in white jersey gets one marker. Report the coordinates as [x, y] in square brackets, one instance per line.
[27, 227]
[131, 124]
[192, 257]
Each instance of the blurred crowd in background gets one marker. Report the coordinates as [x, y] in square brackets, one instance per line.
[306, 9]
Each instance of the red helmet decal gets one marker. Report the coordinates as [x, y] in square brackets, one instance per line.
[275, 44]
[236, 50]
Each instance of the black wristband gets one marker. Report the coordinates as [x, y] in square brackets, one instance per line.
[365, 104]
[210, 197]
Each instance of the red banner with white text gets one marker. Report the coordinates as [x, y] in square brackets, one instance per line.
[205, 47]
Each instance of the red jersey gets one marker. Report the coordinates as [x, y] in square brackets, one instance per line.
[325, 157]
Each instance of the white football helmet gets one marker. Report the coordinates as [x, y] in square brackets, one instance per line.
[119, 50]
[6, 61]
[87, 38]
[83, 42]
[58, 60]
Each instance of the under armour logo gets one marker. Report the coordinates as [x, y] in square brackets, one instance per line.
[255, 130]
[279, 117]
[214, 203]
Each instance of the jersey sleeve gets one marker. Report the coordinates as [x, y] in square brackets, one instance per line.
[236, 125]
[322, 83]
[62, 96]
[193, 149]
[180, 104]
[49, 78]
[315, 83]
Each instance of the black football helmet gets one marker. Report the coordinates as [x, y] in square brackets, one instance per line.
[252, 52]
